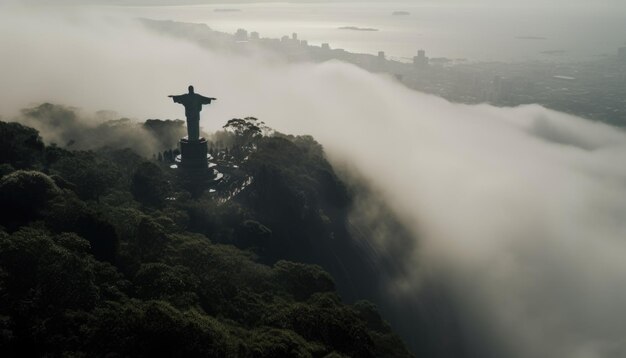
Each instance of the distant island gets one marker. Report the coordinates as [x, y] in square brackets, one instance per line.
[531, 38]
[553, 52]
[354, 28]
[227, 10]
[401, 13]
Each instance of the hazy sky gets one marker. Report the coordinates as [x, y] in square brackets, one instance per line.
[592, 3]
[522, 209]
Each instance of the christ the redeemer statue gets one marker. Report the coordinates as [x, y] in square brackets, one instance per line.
[193, 105]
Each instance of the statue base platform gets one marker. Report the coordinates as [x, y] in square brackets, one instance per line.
[193, 155]
[193, 166]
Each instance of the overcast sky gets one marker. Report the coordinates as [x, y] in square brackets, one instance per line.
[592, 3]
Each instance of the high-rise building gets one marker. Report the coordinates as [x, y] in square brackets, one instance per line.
[294, 36]
[241, 35]
[420, 60]
[380, 62]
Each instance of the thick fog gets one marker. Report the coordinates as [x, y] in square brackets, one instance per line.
[522, 210]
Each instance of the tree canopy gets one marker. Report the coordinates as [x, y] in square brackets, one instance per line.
[99, 263]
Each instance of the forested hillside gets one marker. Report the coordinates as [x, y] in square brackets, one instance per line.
[104, 253]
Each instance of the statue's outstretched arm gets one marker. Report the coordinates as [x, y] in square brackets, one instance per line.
[207, 100]
[177, 99]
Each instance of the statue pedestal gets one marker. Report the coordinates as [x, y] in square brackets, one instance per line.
[194, 155]
[194, 171]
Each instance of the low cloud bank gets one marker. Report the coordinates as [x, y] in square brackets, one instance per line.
[521, 210]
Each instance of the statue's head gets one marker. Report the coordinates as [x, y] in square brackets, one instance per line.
[190, 89]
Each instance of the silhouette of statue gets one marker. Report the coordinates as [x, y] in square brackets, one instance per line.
[193, 105]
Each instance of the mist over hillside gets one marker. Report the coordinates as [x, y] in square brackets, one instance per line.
[519, 212]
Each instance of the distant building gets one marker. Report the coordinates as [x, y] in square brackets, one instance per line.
[380, 62]
[294, 36]
[255, 35]
[284, 38]
[304, 43]
[241, 35]
[325, 46]
[420, 60]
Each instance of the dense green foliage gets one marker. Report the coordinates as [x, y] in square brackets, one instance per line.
[20, 146]
[97, 259]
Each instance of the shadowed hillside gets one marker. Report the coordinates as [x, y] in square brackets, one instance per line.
[103, 254]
